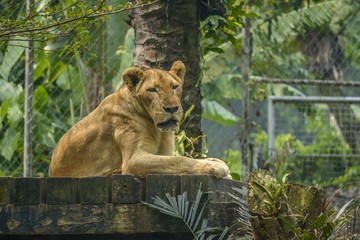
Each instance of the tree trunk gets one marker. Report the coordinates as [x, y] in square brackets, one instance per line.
[246, 122]
[326, 57]
[167, 31]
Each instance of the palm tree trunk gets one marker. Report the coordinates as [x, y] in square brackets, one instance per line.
[167, 31]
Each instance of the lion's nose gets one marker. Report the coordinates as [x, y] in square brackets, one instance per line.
[171, 109]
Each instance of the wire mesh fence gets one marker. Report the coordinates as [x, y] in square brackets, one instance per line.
[320, 143]
[306, 50]
[312, 51]
[67, 84]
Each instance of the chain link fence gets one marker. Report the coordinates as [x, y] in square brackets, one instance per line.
[67, 85]
[287, 55]
[319, 144]
[307, 52]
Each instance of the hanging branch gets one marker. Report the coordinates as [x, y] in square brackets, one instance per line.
[37, 25]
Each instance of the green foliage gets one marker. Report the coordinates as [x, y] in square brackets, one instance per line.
[184, 146]
[321, 157]
[64, 69]
[265, 194]
[217, 113]
[326, 141]
[12, 119]
[64, 64]
[125, 50]
[46, 22]
[330, 224]
[12, 55]
[231, 157]
[288, 21]
[217, 29]
[305, 160]
[276, 50]
[352, 44]
[190, 214]
[226, 86]
[269, 198]
[277, 53]
[243, 226]
[351, 175]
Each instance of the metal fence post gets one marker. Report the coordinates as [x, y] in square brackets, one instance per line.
[271, 127]
[29, 90]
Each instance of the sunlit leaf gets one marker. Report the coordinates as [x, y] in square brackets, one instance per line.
[9, 143]
[214, 111]
[43, 131]
[41, 99]
[13, 52]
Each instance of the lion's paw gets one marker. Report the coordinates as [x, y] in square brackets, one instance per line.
[215, 167]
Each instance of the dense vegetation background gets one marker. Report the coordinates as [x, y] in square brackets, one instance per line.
[81, 49]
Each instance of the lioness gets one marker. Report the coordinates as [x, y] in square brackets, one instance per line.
[132, 132]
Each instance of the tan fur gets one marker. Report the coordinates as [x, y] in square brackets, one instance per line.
[124, 133]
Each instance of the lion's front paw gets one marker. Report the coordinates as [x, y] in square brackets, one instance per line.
[215, 167]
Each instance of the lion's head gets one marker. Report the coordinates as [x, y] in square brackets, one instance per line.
[158, 92]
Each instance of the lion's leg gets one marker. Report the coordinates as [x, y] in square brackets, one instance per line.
[143, 164]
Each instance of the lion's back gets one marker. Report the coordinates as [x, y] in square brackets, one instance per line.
[81, 149]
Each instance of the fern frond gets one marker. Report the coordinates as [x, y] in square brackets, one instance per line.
[245, 228]
[216, 232]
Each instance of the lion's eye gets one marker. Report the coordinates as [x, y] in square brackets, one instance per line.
[175, 86]
[152, 90]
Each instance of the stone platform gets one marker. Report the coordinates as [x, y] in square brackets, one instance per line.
[106, 207]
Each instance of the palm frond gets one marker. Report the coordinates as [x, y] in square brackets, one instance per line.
[190, 213]
[243, 220]
[293, 23]
[285, 28]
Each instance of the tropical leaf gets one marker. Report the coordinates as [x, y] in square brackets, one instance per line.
[350, 173]
[41, 99]
[240, 198]
[4, 108]
[8, 90]
[41, 64]
[13, 53]
[214, 111]
[329, 224]
[10, 143]
[15, 115]
[289, 25]
[285, 27]
[43, 130]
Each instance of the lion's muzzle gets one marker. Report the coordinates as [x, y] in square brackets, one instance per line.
[171, 110]
[171, 125]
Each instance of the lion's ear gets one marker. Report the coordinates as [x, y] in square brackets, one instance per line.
[178, 68]
[132, 77]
